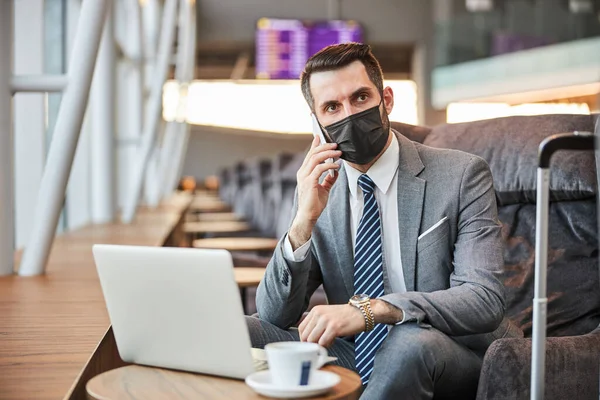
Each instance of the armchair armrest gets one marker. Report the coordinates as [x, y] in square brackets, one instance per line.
[572, 368]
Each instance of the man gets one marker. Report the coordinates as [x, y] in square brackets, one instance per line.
[404, 238]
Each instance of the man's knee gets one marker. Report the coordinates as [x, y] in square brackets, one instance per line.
[253, 323]
[262, 332]
[258, 331]
[416, 362]
[410, 346]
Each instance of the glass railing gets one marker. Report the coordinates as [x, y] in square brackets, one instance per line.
[518, 25]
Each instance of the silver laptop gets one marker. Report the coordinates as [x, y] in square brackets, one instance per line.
[175, 308]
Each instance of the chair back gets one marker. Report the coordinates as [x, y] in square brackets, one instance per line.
[509, 145]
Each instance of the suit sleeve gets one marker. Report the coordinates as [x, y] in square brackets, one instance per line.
[284, 292]
[475, 302]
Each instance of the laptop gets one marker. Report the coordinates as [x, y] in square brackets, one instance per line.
[176, 308]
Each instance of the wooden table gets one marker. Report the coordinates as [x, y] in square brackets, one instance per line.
[200, 193]
[200, 228]
[237, 244]
[209, 205]
[223, 216]
[51, 324]
[139, 382]
[247, 277]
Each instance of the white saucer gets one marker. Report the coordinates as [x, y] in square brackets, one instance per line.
[321, 381]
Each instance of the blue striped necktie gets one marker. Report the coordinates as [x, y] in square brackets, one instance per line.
[368, 275]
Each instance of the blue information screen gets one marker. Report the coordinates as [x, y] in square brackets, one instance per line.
[284, 45]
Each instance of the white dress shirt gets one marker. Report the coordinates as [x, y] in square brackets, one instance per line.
[384, 174]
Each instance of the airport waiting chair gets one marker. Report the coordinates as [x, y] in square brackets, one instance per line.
[272, 189]
[288, 189]
[262, 183]
[243, 203]
[227, 185]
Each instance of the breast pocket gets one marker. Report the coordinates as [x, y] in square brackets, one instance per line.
[434, 234]
[433, 258]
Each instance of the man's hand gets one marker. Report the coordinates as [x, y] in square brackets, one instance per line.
[312, 195]
[325, 323]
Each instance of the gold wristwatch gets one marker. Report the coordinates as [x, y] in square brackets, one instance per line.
[363, 303]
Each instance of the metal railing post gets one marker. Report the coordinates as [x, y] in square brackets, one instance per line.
[138, 97]
[151, 17]
[175, 161]
[168, 149]
[103, 197]
[154, 109]
[180, 156]
[151, 31]
[68, 126]
[166, 161]
[7, 233]
[38, 83]
[29, 110]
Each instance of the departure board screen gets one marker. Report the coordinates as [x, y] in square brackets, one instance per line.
[284, 45]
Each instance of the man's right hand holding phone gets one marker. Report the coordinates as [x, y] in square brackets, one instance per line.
[312, 194]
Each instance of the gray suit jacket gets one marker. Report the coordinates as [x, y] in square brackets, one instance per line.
[451, 273]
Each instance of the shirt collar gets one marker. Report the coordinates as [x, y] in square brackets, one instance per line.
[382, 172]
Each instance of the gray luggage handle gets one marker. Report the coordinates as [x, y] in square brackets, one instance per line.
[549, 146]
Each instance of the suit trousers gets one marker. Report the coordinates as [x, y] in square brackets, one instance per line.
[412, 363]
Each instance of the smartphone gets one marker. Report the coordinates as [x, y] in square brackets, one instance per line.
[319, 133]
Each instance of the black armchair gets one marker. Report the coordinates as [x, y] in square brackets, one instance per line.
[573, 347]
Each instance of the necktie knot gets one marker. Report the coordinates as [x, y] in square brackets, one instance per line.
[366, 184]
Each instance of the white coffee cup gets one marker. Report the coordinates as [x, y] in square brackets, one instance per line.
[292, 363]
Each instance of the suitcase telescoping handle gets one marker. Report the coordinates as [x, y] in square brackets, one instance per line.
[549, 146]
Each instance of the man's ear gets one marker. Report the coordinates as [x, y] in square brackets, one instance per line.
[388, 99]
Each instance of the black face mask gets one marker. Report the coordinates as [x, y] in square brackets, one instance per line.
[360, 137]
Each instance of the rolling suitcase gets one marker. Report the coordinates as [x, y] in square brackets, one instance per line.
[550, 145]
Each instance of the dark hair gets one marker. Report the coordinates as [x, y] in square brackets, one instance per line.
[338, 56]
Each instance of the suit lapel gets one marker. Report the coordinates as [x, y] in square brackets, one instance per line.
[342, 241]
[411, 193]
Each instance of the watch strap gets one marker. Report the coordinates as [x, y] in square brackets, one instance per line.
[367, 312]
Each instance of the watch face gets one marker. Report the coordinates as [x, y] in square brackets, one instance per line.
[359, 298]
